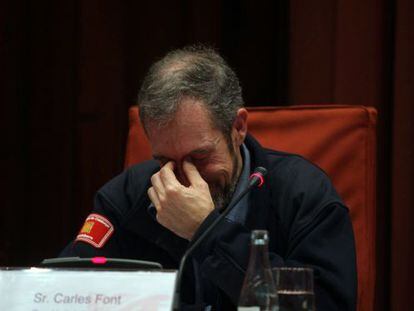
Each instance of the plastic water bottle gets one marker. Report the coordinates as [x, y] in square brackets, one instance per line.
[258, 292]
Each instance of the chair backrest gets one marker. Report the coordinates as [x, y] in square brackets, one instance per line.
[339, 139]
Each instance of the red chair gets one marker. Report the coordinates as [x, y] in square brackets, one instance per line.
[339, 139]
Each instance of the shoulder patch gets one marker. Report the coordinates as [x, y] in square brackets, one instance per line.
[96, 230]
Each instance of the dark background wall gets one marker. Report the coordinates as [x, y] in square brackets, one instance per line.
[69, 71]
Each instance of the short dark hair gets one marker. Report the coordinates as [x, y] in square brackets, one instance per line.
[196, 72]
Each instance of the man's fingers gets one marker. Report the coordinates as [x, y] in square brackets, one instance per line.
[157, 184]
[167, 175]
[152, 194]
[192, 174]
[170, 165]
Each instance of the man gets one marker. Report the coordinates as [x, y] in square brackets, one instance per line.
[192, 111]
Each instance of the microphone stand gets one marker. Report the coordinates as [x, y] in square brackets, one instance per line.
[256, 179]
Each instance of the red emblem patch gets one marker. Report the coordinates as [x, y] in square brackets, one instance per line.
[96, 230]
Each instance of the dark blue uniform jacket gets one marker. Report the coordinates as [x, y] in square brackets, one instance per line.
[307, 222]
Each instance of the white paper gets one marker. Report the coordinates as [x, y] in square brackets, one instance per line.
[61, 290]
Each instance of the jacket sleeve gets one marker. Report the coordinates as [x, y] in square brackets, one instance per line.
[111, 246]
[313, 229]
[115, 201]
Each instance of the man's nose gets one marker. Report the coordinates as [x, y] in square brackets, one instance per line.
[181, 176]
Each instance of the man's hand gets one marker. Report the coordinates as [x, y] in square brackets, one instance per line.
[180, 209]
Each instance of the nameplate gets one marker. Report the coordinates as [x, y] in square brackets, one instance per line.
[60, 290]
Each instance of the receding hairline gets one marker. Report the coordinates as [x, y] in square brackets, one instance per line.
[171, 118]
[197, 72]
[179, 61]
[177, 64]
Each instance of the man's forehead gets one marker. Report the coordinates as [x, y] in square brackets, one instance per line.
[189, 130]
[190, 115]
[185, 148]
[188, 109]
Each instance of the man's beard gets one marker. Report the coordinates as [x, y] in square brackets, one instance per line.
[222, 196]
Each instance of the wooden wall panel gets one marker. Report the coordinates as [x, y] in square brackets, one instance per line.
[402, 237]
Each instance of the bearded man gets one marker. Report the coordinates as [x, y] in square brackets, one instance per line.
[191, 107]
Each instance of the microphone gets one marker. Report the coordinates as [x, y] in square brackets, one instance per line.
[256, 179]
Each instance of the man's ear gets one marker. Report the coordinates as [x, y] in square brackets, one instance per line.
[240, 126]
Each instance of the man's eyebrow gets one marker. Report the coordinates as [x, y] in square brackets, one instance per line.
[206, 149]
[201, 151]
